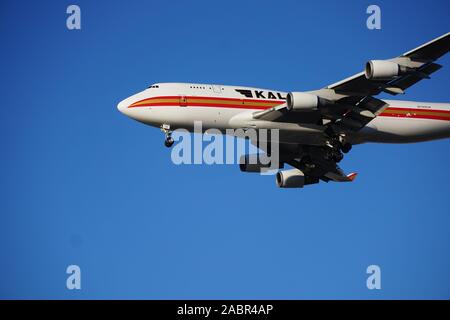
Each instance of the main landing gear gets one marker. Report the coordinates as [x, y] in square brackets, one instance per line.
[168, 142]
[346, 147]
[337, 147]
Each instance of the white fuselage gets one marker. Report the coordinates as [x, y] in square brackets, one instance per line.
[179, 105]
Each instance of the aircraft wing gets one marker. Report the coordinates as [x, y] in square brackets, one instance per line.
[419, 60]
[312, 161]
[351, 102]
[315, 165]
[342, 108]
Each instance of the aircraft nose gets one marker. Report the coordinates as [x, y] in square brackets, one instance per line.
[123, 106]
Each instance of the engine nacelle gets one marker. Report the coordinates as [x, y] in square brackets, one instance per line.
[255, 165]
[301, 101]
[383, 70]
[293, 178]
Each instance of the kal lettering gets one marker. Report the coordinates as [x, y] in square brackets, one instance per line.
[259, 94]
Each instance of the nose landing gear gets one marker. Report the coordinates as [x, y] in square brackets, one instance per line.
[168, 142]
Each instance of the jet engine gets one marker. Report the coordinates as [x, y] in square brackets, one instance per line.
[383, 70]
[293, 178]
[301, 101]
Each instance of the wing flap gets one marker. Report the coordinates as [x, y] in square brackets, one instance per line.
[271, 114]
[411, 79]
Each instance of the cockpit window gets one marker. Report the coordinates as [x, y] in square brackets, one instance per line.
[153, 86]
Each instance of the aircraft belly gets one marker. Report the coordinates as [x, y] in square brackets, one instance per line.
[184, 117]
[219, 118]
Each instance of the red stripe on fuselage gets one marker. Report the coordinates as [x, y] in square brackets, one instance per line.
[416, 116]
[240, 104]
[207, 105]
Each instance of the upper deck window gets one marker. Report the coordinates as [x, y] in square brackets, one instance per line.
[197, 87]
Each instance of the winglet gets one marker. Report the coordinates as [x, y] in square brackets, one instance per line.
[352, 176]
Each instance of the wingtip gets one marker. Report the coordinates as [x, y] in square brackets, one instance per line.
[352, 176]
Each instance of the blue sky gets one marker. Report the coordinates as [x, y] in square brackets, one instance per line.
[82, 184]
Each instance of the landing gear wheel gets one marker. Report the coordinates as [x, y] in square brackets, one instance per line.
[346, 147]
[165, 128]
[338, 157]
[168, 142]
[328, 156]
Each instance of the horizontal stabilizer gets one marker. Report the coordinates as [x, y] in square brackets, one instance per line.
[352, 176]
[340, 177]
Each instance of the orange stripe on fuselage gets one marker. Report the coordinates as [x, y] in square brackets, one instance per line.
[193, 101]
[219, 102]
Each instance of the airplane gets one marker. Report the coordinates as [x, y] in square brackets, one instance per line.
[316, 128]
